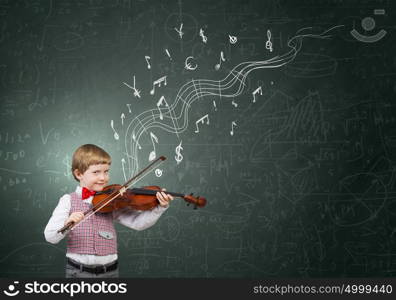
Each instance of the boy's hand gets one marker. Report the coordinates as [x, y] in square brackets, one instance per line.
[163, 198]
[122, 190]
[75, 217]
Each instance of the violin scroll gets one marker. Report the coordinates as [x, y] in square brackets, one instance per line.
[197, 201]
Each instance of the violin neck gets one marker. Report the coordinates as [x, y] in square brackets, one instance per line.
[153, 192]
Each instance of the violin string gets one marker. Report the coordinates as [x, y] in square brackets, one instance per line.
[92, 212]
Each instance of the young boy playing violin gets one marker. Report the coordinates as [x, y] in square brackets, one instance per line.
[92, 245]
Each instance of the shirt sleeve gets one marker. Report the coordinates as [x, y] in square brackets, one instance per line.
[139, 220]
[57, 220]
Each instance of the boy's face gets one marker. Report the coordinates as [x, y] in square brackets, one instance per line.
[95, 178]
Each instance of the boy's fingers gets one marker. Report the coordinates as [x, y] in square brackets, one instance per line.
[159, 196]
[76, 217]
[169, 196]
[161, 199]
[122, 190]
[166, 197]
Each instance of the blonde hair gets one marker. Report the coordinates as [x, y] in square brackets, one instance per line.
[87, 155]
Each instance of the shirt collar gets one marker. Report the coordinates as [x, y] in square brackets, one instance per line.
[78, 191]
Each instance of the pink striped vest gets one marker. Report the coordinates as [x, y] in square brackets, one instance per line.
[96, 235]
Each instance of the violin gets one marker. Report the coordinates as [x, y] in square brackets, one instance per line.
[137, 198]
[116, 196]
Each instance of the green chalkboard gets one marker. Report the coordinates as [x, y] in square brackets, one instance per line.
[280, 113]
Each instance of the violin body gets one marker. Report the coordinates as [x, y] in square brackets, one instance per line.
[137, 198]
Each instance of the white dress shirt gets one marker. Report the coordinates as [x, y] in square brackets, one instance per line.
[138, 220]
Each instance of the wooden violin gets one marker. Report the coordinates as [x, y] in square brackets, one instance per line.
[115, 196]
[137, 198]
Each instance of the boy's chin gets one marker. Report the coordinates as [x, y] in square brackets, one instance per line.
[99, 188]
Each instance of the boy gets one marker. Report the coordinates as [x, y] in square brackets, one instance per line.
[92, 245]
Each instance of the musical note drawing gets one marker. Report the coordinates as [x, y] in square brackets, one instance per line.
[136, 92]
[147, 61]
[167, 53]
[214, 104]
[131, 87]
[234, 103]
[180, 30]
[188, 65]
[129, 107]
[217, 66]
[203, 36]
[201, 120]
[158, 172]
[153, 154]
[123, 162]
[134, 139]
[232, 127]
[116, 136]
[233, 39]
[158, 82]
[268, 44]
[178, 156]
[159, 103]
[162, 101]
[259, 90]
[122, 118]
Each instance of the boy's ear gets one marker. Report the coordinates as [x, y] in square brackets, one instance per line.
[77, 173]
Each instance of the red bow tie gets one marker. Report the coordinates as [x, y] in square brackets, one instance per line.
[87, 193]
